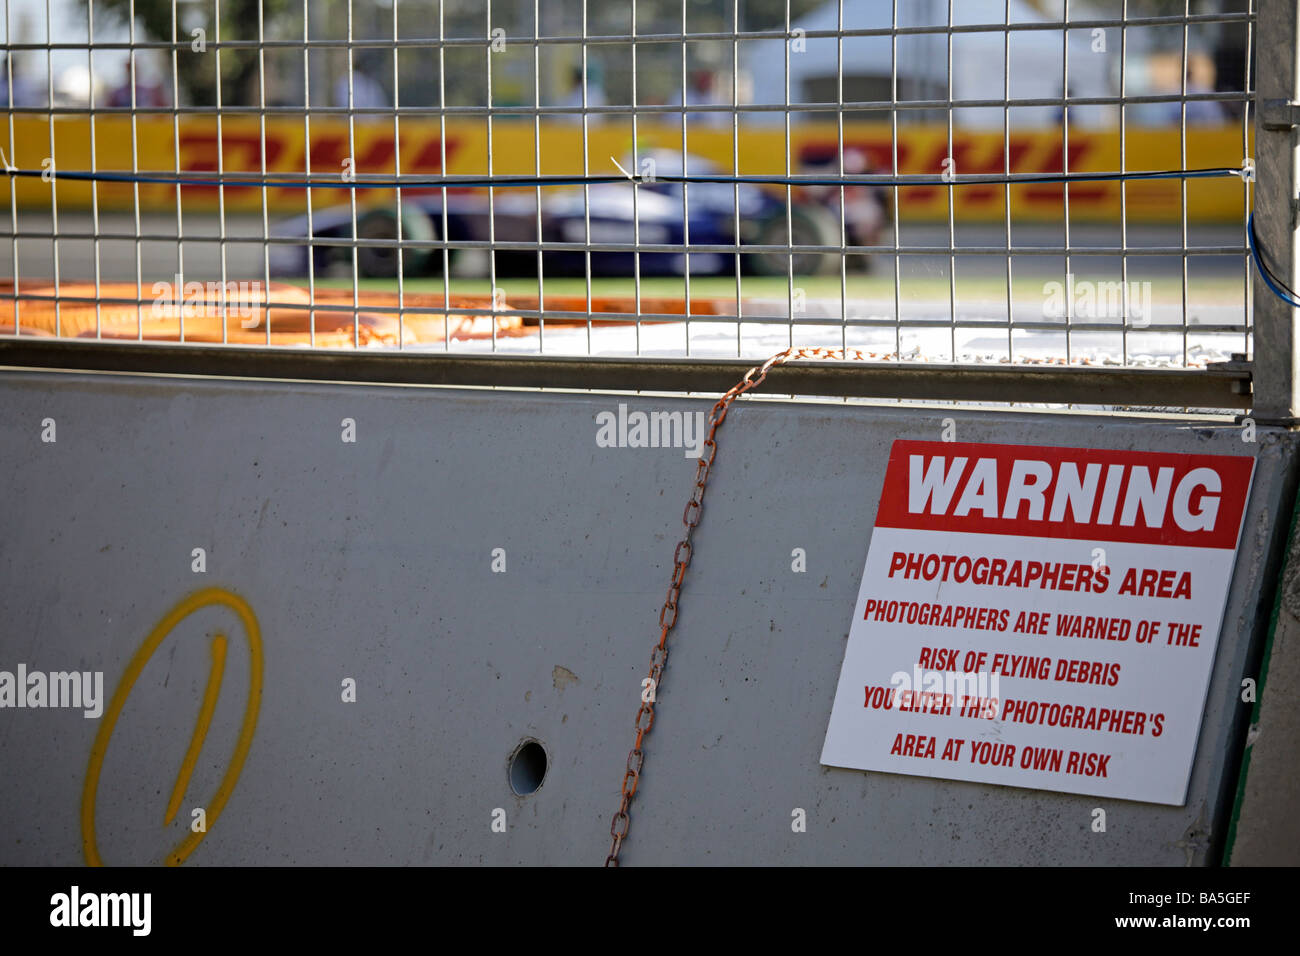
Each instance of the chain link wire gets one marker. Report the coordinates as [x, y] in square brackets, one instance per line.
[645, 715]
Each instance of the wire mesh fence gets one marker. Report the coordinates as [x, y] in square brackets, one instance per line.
[990, 182]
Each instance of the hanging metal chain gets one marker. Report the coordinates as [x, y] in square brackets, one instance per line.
[645, 715]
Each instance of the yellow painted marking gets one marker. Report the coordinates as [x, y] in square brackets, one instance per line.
[89, 795]
[200, 727]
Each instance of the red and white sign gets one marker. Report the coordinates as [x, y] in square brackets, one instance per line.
[1040, 617]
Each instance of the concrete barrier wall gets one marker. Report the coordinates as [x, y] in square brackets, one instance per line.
[373, 561]
[1265, 829]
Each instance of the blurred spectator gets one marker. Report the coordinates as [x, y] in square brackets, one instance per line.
[1199, 112]
[367, 92]
[24, 91]
[147, 95]
[595, 93]
[702, 90]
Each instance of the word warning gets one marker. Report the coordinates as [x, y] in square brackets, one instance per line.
[1040, 617]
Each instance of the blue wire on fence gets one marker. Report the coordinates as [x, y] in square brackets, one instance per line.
[1275, 285]
[269, 181]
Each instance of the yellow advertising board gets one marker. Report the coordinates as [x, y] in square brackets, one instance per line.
[193, 144]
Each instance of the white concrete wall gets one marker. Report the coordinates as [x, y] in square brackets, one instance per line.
[372, 561]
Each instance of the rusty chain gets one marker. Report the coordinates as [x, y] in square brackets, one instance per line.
[645, 715]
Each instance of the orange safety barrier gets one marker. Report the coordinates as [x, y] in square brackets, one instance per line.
[249, 313]
[83, 313]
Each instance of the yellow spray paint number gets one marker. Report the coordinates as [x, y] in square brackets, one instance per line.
[195, 602]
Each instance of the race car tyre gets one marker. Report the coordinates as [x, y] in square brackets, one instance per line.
[809, 226]
[380, 262]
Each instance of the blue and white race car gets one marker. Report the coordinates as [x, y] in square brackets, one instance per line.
[616, 223]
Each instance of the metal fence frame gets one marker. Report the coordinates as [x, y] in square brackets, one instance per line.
[1277, 151]
[1264, 381]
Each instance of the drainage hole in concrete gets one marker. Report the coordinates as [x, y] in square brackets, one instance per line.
[527, 768]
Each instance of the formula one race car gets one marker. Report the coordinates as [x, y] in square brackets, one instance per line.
[605, 220]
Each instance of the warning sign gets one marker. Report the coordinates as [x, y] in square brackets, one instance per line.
[1040, 617]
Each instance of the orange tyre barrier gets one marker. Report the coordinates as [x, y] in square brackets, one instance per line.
[280, 316]
[285, 313]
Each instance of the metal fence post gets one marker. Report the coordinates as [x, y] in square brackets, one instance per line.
[1277, 148]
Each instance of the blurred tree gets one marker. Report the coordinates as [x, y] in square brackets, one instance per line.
[196, 72]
